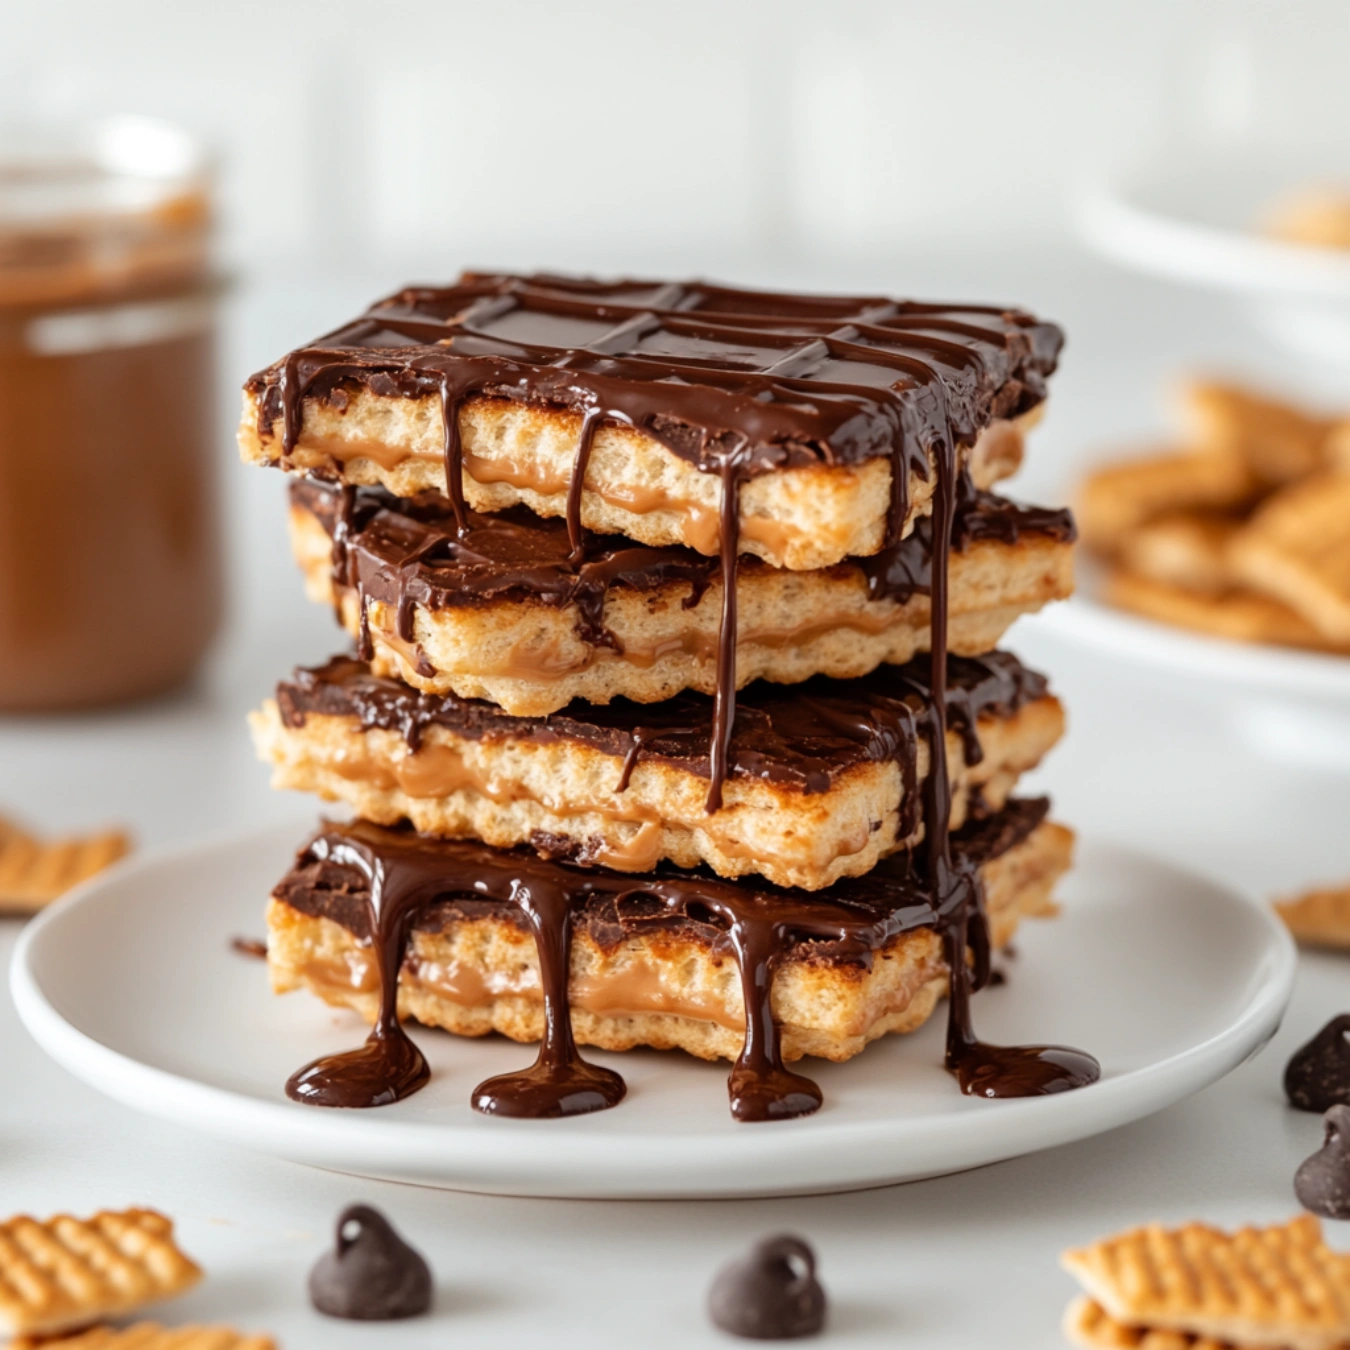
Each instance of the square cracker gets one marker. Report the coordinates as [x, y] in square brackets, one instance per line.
[1318, 918]
[151, 1336]
[1088, 1324]
[1277, 442]
[1117, 498]
[1296, 549]
[1188, 549]
[1258, 1287]
[34, 872]
[65, 1273]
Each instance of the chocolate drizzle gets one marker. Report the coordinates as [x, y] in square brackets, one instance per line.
[350, 872]
[407, 553]
[981, 1069]
[388, 1067]
[559, 1082]
[802, 737]
[738, 383]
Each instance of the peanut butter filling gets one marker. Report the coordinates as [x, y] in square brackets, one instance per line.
[544, 662]
[640, 988]
[1000, 444]
[438, 770]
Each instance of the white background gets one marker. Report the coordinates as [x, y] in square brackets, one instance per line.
[930, 149]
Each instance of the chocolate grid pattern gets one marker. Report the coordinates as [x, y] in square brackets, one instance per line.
[769, 348]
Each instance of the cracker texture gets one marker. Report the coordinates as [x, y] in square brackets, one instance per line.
[1259, 1287]
[62, 1273]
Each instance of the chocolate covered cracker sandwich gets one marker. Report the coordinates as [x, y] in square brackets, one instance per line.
[674, 716]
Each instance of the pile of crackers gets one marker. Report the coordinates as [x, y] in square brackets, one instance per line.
[1242, 531]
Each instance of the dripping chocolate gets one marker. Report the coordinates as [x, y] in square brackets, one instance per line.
[739, 384]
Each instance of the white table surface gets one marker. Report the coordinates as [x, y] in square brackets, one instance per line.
[961, 1261]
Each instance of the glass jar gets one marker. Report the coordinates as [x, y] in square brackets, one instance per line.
[110, 560]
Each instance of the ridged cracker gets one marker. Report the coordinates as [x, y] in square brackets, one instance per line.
[1278, 442]
[1187, 549]
[34, 872]
[1117, 498]
[831, 1008]
[1296, 548]
[63, 1273]
[1258, 1287]
[1089, 1325]
[152, 1336]
[1319, 918]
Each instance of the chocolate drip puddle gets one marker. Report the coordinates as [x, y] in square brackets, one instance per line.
[740, 383]
[388, 1067]
[559, 1082]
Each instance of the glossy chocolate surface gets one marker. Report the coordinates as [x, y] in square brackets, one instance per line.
[713, 372]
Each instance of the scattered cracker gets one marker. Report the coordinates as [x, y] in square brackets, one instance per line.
[1119, 497]
[1319, 216]
[34, 872]
[151, 1336]
[1296, 549]
[1318, 918]
[66, 1272]
[1278, 442]
[1087, 1324]
[1267, 1287]
[1189, 549]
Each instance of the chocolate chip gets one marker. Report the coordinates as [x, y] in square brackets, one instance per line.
[1322, 1183]
[770, 1295]
[1318, 1075]
[372, 1275]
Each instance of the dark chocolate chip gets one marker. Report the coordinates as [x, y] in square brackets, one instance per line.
[1322, 1183]
[372, 1275]
[1318, 1075]
[772, 1294]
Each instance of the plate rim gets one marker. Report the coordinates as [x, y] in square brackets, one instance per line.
[1093, 624]
[1117, 224]
[192, 1103]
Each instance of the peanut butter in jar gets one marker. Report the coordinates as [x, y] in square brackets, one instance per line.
[110, 559]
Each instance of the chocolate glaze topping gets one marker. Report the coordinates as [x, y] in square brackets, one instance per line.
[381, 883]
[800, 736]
[737, 382]
[775, 380]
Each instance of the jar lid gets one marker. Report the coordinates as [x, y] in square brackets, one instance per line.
[116, 206]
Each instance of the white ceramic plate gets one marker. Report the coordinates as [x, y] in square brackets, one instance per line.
[1259, 668]
[1195, 219]
[132, 985]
